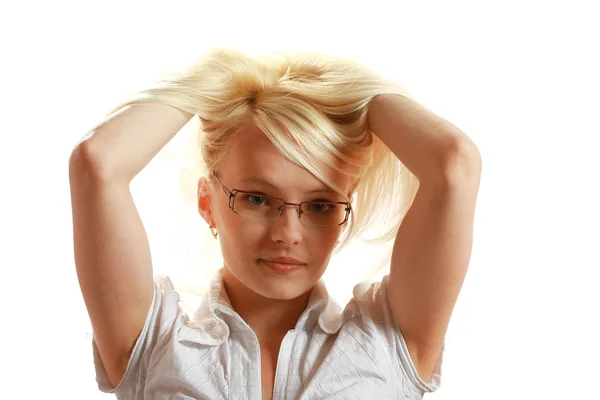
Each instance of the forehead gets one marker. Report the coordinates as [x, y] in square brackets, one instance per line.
[252, 154]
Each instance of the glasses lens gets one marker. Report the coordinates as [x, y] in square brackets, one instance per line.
[323, 214]
[256, 206]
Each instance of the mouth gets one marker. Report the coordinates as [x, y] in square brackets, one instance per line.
[283, 265]
[284, 260]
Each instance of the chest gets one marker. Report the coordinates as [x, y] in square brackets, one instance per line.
[268, 369]
[300, 366]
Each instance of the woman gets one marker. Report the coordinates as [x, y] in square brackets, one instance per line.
[301, 154]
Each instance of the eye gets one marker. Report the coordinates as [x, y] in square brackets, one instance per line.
[256, 200]
[320, 207]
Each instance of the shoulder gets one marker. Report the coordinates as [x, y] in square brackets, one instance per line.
[368, 312]
[369, 299]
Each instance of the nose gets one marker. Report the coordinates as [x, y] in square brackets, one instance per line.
[287, 228]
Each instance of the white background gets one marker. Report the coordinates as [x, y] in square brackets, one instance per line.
[519, 77]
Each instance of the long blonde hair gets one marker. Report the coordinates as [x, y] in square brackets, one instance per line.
[312, 107]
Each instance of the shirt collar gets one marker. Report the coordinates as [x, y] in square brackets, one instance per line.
[213, 320]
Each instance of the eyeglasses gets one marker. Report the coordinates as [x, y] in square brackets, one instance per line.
[312, 213]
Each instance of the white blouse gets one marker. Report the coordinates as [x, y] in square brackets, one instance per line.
[357, 353]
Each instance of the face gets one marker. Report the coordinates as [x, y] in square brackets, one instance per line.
[253, 164]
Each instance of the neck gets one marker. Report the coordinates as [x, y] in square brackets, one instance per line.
[270, 319]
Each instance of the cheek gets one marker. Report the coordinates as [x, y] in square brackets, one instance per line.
[322, 242]
[240, 235]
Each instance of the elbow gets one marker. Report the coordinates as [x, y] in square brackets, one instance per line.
[462, 161]
[84, 161]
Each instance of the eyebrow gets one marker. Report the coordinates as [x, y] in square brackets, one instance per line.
[264, 182]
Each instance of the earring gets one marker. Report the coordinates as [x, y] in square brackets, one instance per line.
[213, 230]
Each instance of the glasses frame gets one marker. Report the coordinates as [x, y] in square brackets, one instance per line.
[231, 193]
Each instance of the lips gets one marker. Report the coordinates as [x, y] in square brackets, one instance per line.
[284, 260]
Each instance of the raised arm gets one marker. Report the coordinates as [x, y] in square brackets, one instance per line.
[112, 254]
[433, 245]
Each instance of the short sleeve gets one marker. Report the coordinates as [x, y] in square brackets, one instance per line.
[371, 301]
[159, 323]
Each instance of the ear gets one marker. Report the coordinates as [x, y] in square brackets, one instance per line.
[204, 201]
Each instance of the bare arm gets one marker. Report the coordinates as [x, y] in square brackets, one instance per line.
[433, 245]
[112, 253]
[126, 142]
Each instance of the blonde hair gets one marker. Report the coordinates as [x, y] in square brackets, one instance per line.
[313, 107]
